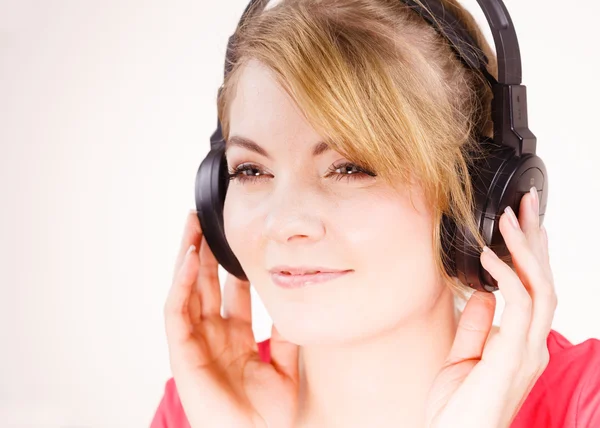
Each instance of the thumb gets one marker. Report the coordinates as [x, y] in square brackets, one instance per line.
[284, 355]
[473, 327]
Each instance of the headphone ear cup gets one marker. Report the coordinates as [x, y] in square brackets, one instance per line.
[516, 177]
[448, 239]
[499, 179]
[462, 255]
[210, 190]
[462, 248]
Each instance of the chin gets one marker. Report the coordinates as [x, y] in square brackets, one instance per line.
[318, 325]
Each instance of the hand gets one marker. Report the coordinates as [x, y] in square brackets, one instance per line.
[484, 384]
[219, 376]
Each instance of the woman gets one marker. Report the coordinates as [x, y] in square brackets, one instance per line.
[380, 342]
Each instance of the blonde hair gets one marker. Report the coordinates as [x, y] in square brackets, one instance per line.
[383, 88]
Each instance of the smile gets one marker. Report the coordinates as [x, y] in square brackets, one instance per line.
[286, 280]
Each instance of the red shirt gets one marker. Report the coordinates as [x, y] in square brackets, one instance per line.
[566, 395]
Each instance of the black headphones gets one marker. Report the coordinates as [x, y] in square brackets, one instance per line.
[499, 180]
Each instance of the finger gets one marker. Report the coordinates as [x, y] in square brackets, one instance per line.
[176, 311]
[529, 221]
[208, 286]
[545, 248]
[284, 355]
[473, 327]
[534, 277]
[516, 317]
[236, 299]
[192, 234]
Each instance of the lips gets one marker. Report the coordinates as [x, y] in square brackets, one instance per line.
[287, 280]
[303, 270]
[303, 273]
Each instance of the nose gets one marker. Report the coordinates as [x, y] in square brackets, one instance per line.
[294, 215]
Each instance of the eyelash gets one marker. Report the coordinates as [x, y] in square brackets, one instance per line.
[237, 173]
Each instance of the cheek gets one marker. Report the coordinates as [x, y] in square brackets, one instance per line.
[240, 226]
[389, 234]
[396, 258]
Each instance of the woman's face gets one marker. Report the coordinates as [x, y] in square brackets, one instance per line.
[299, 211]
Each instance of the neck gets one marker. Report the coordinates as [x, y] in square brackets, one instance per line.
[381, 381]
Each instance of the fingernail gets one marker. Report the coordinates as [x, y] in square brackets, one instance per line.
[535, 200]
[512, 217]
[486, 249]
[192, 248]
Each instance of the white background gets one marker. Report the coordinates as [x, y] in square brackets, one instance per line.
[106, 109]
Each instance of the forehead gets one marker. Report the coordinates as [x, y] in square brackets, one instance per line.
[261, 109]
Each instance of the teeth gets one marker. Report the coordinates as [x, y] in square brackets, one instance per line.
[305, 273]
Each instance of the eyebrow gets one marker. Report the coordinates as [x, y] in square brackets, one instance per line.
[246, 143]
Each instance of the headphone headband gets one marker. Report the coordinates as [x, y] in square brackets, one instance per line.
[433, 11]
[509, 105]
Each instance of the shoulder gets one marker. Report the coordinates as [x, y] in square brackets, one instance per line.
[170, 413]
[567, 394]
[264, 350]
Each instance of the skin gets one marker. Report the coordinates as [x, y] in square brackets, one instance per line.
[381, 346]
[392, 314]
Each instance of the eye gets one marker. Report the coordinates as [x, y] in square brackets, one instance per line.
[349, 171]
[250, 173]
[239, 173]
